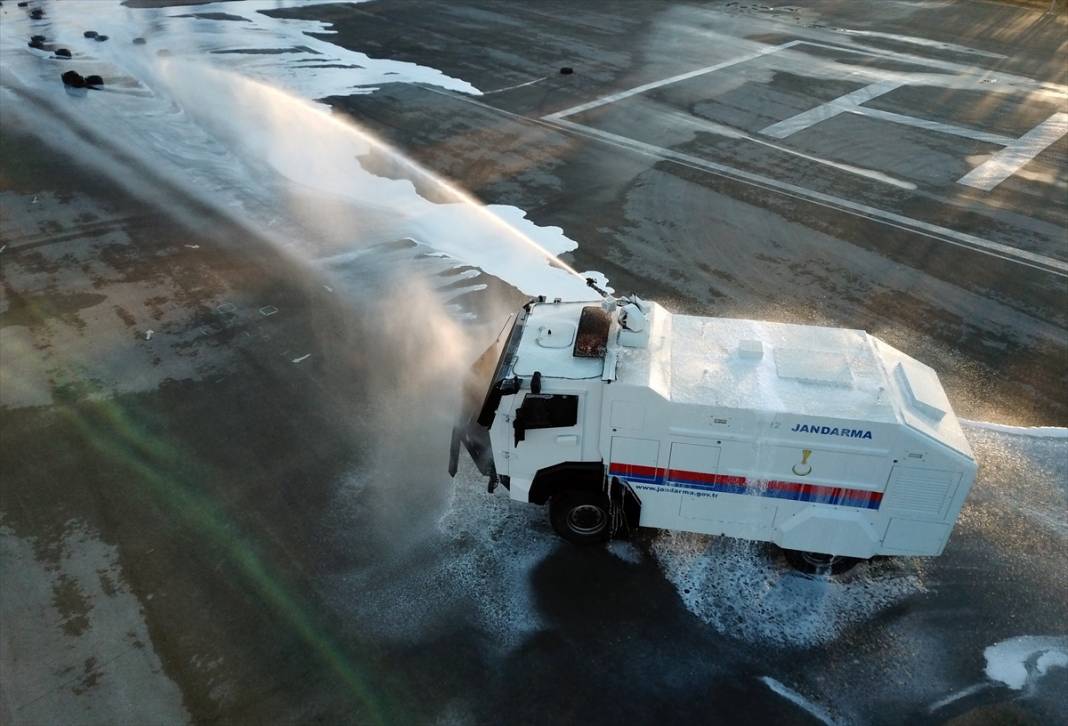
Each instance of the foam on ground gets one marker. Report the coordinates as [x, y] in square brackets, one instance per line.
[210, 118]
[746, 591]
[475, 567]
[625, 551]
[1022, 661]
[1041, 432]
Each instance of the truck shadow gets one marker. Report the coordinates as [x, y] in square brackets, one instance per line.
[621, 647]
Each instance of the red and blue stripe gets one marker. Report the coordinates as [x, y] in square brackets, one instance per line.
[725, 484]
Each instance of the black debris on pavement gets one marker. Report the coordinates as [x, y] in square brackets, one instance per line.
[73, 79]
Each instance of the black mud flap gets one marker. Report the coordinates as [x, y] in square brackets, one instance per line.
[626, 508]
[454, 450]
[476, 440]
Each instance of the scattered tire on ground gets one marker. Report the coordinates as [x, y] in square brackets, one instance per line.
[38, 38]
[73, 79]
[62, 53]
[39, 45]
[101, 38]
[567, 71]
[22, 5]
[89, 34]
[37, 13]
[138, 41]
[94, 80]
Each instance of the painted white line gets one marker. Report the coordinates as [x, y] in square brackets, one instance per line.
[683, 120]
[890, 219]
[1017, 154]
[953, 697]
[800, 122]
[667, 81]
[850, 103]
[512, 88]
[1055, 89]
[938, 126]
[989, 76]
[914, 40]
[304, 357]
[985, 177]
[932, 231]
[798, 700]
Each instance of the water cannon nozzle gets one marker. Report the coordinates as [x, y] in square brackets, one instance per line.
[592, 283]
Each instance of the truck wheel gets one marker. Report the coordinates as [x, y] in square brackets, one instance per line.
[816, 563]
[581, 517]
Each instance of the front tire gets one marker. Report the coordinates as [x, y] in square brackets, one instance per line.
[816, 563]
[581, 517]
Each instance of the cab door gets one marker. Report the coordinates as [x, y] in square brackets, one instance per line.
[547, 429]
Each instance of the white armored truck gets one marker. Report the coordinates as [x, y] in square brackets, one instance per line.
[827, 442]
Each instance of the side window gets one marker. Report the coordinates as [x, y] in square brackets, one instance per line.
[544, 411]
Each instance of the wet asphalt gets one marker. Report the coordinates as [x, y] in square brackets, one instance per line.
[290, 541]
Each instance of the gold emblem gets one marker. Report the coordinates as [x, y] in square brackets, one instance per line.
[804, 468]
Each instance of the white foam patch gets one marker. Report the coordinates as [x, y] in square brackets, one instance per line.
[1043, 432]
[743, 590]
[1022, 472]
[213, 121]
[280, 51]
[625, 551]
[1022, 661]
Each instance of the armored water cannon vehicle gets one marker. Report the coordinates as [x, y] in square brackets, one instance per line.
[617, 413]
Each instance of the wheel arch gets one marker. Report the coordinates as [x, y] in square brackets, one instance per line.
[578, 475]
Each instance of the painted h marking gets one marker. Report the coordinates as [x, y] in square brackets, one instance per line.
[604, 100]
[1016, 154]
[829, 110]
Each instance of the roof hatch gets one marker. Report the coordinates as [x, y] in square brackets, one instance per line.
[922, 389]
[814, 366]
[592, 338]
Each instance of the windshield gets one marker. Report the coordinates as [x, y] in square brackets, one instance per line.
[489, 369]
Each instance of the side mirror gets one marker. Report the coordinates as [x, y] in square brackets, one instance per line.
[508, 386]
[519, 424]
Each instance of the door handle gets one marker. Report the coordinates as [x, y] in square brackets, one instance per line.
[567, 440]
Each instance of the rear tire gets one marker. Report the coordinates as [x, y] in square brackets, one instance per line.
[816, 563]
[581, 517]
